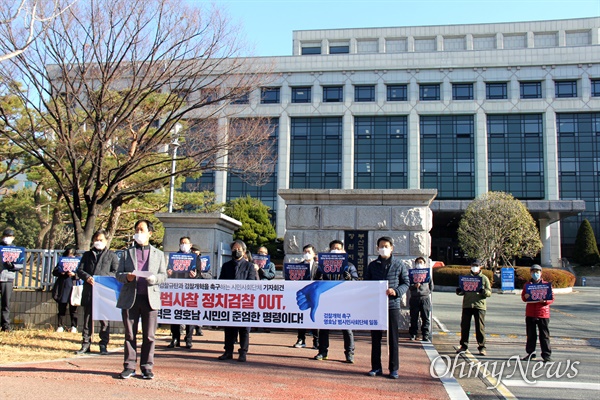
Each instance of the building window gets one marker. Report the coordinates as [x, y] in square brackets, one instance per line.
[242, 98]
[462, 91]
[516, 155]
[333, 94]
[364, 93]
[301, 94]
[531, 90]
[447, 155]
[429, 91]
[339, 48]
[397, 93]
[316, 153]
[309, 50]
[380, 152]
[269, 95]
[564, 89]
[595, 87]
[496, 91]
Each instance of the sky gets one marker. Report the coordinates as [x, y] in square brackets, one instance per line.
[268, 24]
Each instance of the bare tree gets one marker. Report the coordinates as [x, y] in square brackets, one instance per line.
[107, 82]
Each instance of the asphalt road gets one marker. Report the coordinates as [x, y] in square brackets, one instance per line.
[575, 341]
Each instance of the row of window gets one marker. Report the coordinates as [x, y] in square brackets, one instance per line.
[427, 92]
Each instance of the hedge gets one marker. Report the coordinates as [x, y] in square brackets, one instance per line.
[448, 276]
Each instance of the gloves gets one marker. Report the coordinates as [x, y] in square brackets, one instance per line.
[482, 291]
[347, 276]
[458, 291]
[151, 280]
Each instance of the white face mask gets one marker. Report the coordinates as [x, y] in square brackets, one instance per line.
[335, 251]
[307, 256]
[475, 270]
[536, 276]
[185, 247]
[420, 265]
[8, 240]
[100, 245]
[384, 252]
[141, 238]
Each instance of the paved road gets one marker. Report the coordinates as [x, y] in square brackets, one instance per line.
[575, 340]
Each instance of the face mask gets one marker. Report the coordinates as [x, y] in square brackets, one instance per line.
[420, 265]
[536, 276]
[141, 238]
[185, 247]
[475, 270]
[307, 256]
[335, 251]
[384, 252]
[100, 245]
[8, 240]
[237, 254]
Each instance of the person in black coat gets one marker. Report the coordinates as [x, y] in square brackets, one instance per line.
[102, 262]
[61, 293]
[237, 269]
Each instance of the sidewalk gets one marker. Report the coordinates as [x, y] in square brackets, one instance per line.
[275, 370]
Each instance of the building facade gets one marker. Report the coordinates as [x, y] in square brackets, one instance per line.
[463, 109]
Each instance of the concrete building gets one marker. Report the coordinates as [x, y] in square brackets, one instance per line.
[463, 109]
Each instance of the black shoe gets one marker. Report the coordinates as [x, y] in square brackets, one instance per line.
[547, 359]
[315, 345]
[413, 337]
[320, 357]
[242, 357]
[529, 357]
[462, 348]
[375, 372]
[127, 373]
[85, 348]
[103, 350]
[174, 343]
[188, 344]
[147, 375]
[425, 339]
[225, 356]
[199, 332]
[300, 344]
[349, 357]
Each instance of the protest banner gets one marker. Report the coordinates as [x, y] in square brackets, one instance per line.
[68, 264]
[536, 292]
[14, 255]
[296, 271]
[333, 263]
[261, 260]
[469, 283]
[204, 263]
[419, 275]
[182, 262]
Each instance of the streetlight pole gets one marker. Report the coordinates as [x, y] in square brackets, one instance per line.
[175, 145]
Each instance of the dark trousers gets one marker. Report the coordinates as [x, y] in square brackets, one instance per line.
[533, 325]
[141, 309]
[324, 341]
[302, 336]
[231, 334]
[420, 306]
[465, 325]
[176, 332]
[88, 327]
[6, 289]
[62, 312]
[376, 336]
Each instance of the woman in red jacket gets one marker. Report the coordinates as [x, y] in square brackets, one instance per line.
[537, 313]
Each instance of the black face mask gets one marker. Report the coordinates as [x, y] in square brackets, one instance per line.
[237, 254]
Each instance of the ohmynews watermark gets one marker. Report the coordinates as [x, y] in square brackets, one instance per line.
[443, 366]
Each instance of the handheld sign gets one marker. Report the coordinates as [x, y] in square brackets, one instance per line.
[470, 283]
[536, 292]
[507, 276]
[333, 263]
[182, 262]
[418, 275]
[14, 255]
[68, 264]
[261, 260]
[296, 271]
[204, 263]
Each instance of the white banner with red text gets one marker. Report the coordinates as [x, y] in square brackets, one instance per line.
[356, 305]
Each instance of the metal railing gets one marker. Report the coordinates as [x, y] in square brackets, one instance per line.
[37, 269]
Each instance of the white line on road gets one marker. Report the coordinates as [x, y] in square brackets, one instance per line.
[552, 384]
[440, 324]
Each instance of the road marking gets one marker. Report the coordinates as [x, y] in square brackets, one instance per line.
[453, 388]
[440, 324]
[552, 384]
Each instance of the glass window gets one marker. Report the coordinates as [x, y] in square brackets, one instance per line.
[269, 95]
[531, 90]
[333, 94]
[339, 49]
[243, 98]
[595, 87]
[364, 93]
[496, 91]
[565, 89]
[462, 91]
[308, 50]
[429, 91]
[397, 93]
[301, 94]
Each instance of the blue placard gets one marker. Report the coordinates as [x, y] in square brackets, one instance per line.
[469, 283]
[333, 263]
[419, 275]
[296, 271]
[261, 260]
[68, 264]
[536, 292]
[182, 262]
[14, 255]
[204, 263]
[507, 277]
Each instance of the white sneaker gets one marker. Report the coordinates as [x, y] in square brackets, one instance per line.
[73, 329]
[60, 329]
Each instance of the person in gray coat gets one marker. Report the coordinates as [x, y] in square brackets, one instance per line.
[420, 304]
[142, 269]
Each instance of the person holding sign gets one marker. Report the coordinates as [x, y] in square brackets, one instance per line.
[387, 268]
[97, 261]
[538, 295]
[347, 274]
[7, 278]
[309, 256]
[421, 286]
[63, 286]
[474, 289]
[182, 271]
[264, 267]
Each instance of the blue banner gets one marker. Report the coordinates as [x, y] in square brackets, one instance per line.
[419, 275]
[536, 292]
[296, 271]
[333, 263]
[469, 283]
[14, 255]
[507, 277]
[182, 262]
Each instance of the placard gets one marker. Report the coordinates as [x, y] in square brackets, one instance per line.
[469, 283]
[536, 292]
[204, 263]
[261, 260]
[68, 264]
[419, 275]
[296, 271]
[507, 278]
[333, 263]
[14, 255]
[182, 262]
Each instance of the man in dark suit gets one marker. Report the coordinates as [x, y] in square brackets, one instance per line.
[102, 262]
[142, 269]
[237, 269]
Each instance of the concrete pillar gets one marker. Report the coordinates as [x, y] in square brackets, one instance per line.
[221, 176]
[545, 255]
[347, 151]
[283, 168]
[481, 155]
[414, 150]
